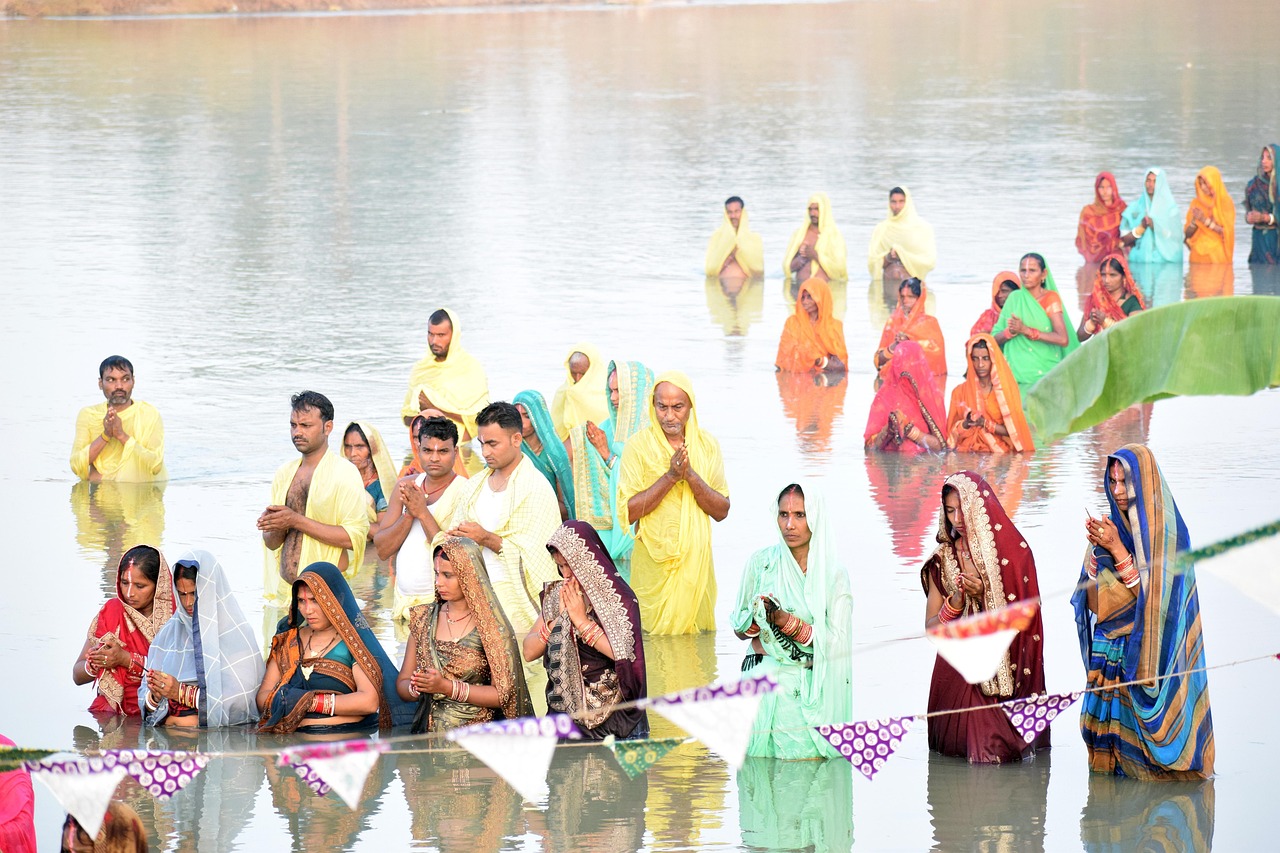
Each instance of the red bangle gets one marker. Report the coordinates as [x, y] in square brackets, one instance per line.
[947, 613]
[1034, 334]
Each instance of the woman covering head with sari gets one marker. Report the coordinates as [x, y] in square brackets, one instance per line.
[907, 414]
[545, 449]
[1210, 226]
[362, 446]
[114, 656]
[982, 564]
[1152, 225]
[812, 338]
[1260, 205]
[1098, 233]
[594, 452]
[795, 607]
[462, 662]
[1002, 285]
[205, 664]
[588, 637]
[327, 672]
[582, 397]
[1115, 296]
[1034, 330]
[1138, 619]
[909, 322]
[905, 237]
[986, 409]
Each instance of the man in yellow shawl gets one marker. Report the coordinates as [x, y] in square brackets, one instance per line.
[447, 378]
[816, 249]
[584, 395]
[903, 238]
[121, 438]
[672, 484]
[510, 510]
[319, 511]
[735, 251]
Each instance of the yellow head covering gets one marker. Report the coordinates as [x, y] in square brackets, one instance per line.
[1208, 246]
[457, 384]
[378, 453]
[829, 248]
[587, 399]
[907, 234]
[750, 248]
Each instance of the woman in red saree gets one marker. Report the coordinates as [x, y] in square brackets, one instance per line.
[1098, 234]
[1002, 285]
[982, 564]
[1115, 296]
[986, 409]
[115, 654]
[812, 339]
[909, 322]
[907, 414]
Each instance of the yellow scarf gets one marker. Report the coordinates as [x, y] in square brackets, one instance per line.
[587, 399]
[457, 384]
[749, 246]
[830, 248]
[907, 234]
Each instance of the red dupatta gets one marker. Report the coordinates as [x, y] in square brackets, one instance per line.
[1098, 234]
[1100, 299]
[988, 319]
[118, 687]
[908, 393]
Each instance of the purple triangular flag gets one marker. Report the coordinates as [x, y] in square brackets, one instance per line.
[163, 774]
[1031, 716]
[867, 745]
[342, 766]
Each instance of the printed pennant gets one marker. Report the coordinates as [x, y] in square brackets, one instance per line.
[83, 786]
[341, 767]
[867, 745]
[15, 757]
[1016, 616]
[637, 756]
[518, 750]
[163, 774]
[721, 715]
[1031, 716]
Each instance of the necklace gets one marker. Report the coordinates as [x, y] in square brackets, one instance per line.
[462, 620]
[307, 670]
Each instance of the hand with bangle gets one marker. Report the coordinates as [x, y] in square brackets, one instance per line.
[324, 703]
[791, 625]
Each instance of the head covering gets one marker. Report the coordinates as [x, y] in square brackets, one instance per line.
[496, 634]
[1007, 394]
[829, 248]
[1102, 300]
[1207, 246]
[378, 455]
[635, 400]
[804, 342]
[456, 384]
[1098, 233]
[1268, 181]
[1000, 553]
[553, 461]
[1161, 243]
[17, 808]
[909, 388]
[587, 399]
[748, 245]
[117, 692]
[1030, 359]
[921, 327]
[906, 234]
[987, 320]
[339, 604]
[215, 648]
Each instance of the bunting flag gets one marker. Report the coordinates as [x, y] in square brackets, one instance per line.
[975, 645]
[342, 767]
[82, 786]
[720, 715]
[15, 757]
[1031, 716]
[161, 773]
[518, 750]
[637, 756]
[867, 745]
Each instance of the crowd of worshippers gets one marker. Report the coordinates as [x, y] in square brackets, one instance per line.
[528, 586]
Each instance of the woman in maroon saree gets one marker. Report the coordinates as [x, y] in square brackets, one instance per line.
[982, 563]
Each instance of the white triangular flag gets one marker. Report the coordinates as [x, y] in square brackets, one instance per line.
[342, 767]
[82, 786]
[522, 760]
[976, 658]
[723, 724]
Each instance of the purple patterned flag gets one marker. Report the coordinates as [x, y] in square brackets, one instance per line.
[342, 767]
[518, 750]
[83, 786]
[720, 715]
[1031, 716]
[867, 745]
[161, 773]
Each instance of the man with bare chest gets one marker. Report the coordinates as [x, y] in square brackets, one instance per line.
[817, 249]
[319, 511]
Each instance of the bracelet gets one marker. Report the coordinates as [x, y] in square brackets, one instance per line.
[1034, 334]
[948, 613]
[913, 432]
[137, 663]
[805, 634]
[89, 669]
[454, 690]
[188, 695]
[413, 691]
[1091, 566]
[753, 631]
[466, 693]
[544, 634]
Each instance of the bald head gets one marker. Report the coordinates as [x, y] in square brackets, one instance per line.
[579, 364]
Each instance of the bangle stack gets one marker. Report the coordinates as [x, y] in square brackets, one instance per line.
[797, 629]
[948, 613]
[544, 634]
[1034, 334]
[1128, 572]
[137, 664]
[461, 692]
[324, 703]
[753, 631]
[1091, 566]
[591, 634]
[189, 695]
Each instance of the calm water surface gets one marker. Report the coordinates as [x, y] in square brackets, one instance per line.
[249, 207]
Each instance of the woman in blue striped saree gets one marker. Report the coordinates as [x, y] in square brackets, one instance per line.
[1138, 617]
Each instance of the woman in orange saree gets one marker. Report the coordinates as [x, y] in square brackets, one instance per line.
[909, 322]
[813, 339]
[1098, 234]
[1210, 227]
[986, 410]
[1002, 285]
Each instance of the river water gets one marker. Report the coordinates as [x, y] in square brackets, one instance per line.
[251, 206]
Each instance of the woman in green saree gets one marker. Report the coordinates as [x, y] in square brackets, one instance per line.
[545, 450]
[1034, 330]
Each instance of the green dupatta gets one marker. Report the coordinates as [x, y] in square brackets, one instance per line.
[553, 461]
[1029, 360]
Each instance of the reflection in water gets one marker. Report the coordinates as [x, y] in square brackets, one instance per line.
[1084, 284]
[218, 804]
[1266, 279]
[456, 803]
[593, 804]
[112, 517]
[1210, 280]
[1126, 814]
[988, 809]
[908, 491]
[882, 298]
[796, 805]
[1006, 472]
[735, 304]
[813, 402]
[1161, 284]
